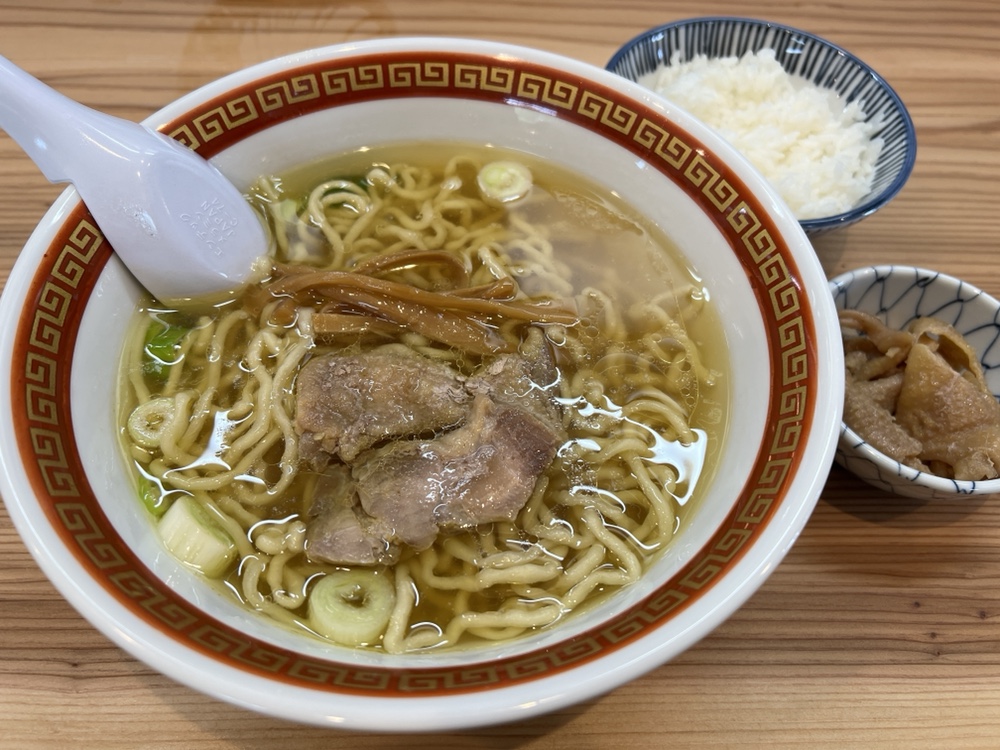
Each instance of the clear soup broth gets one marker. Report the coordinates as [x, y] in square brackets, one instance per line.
[445, 416]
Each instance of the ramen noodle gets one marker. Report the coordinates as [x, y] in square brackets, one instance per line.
[473, 395]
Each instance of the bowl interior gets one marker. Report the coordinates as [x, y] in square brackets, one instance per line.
[299, 141]
[69, 492]
[799, 53]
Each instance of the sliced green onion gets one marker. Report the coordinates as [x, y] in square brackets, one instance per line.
[503, 182]
[195, 538]
[352, 607]
[163, 343]
[148, 422]
[153, 497]
[287, 211]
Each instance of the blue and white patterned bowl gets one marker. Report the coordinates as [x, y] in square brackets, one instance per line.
[800, 53]
[896, 295]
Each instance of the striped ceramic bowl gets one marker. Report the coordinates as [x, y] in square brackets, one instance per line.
[803, 54]
[897, 295]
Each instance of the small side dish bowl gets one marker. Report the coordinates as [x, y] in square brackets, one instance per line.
[802, 54]
[897, 295]
[68, 302]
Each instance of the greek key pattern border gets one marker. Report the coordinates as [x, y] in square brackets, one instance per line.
[58, 308]
[48, 349]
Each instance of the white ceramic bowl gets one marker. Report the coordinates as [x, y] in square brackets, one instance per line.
[68, 300]
[896, 295]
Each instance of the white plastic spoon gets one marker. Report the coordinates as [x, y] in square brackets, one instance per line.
[177, 223]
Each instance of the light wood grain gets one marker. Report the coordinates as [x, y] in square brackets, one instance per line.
[882, 626]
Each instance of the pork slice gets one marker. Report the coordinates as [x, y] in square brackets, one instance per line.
[340, 532]
[527, 379]
[346, 404]
[481, 472]
[347, 536]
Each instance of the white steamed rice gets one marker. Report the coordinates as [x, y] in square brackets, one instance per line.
[818, 153]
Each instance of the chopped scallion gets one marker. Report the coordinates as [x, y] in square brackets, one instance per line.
[161, 349]
[194, 537]
[502, 182]
[352, 607]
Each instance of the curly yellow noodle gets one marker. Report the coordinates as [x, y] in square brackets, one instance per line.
[174, 432]
[427, 561]
[501, 625]
[394, 639]
[174, 373]
[251, 570]
[531, 572]
[461, 548]
[201, 412]
[631, 375]
[581, 567]
[135, 346]
[245, 517]
[218, 346]
[509, 558]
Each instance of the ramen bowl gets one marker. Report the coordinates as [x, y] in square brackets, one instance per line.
[68, 303]
[897, 295]
[801, 54]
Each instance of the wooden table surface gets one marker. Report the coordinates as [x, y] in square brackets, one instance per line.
[881, 628]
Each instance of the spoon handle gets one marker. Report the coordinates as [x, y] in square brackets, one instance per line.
[179, 225]
[43, 122]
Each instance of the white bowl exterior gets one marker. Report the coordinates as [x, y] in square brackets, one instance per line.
[101, 332]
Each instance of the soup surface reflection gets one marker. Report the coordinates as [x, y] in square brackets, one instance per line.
[472, 395]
